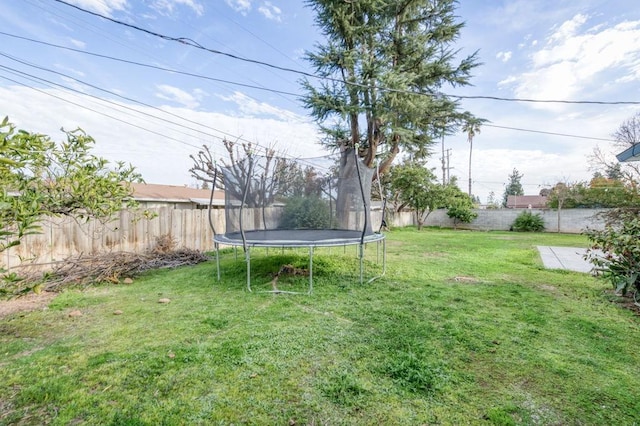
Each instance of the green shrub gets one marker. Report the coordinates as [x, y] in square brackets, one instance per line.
[615, 250]
[461, 214]
[305, 213]
[528, 222]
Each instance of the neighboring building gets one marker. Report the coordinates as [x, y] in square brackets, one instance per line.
[526, 201]
[175, 197]
[630, 154]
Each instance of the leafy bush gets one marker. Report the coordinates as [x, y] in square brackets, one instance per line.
[461, 209]
[620, 243]
[305, 213]
[461, 213]
[528, 222]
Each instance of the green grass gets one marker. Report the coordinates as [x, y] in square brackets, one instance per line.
[465, 328]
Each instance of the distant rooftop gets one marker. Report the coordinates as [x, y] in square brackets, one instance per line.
[176, 194]
[526, 201]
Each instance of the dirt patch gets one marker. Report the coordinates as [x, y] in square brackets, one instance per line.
[465, 280]
[547, 287]
[433, 255]
[27, 303]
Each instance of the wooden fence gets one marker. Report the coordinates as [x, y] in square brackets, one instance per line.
[63, 237]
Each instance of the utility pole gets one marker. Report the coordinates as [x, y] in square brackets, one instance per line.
[448, 166]
[444, 165]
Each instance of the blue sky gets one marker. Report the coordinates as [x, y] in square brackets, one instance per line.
[538, 49]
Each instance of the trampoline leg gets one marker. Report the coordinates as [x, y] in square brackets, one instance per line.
[248, 258]
[361, 262]
[310, 270]
[218, 260]
[384, 257]
[384, 262]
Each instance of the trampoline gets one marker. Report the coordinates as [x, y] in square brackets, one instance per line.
[301, 203]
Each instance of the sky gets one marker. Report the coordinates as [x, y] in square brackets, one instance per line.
[153, 102]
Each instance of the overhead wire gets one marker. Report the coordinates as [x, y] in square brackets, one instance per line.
[165, 69]
[156, 67]
[189, 42]
[41, 80]
[548, 133]
[93, 28]
[128, 99]
[50, 83]
[294, 94]
[99, 112]
[77, 21]
[269, 70]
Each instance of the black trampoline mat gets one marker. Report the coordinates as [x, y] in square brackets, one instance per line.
[297, 237]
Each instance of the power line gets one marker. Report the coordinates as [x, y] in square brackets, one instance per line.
[189, 42]
[200, 76]
[546, 101]
[156, 67]
[100, 113]
[41, 80]
[122, 97]
[549, 133]
[225, 81]
[36, 79]
[69, 16]
[33, 78]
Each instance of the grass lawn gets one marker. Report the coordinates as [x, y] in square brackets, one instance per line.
[465, 328]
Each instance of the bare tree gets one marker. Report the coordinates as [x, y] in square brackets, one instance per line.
[627, 135]
[262, 175]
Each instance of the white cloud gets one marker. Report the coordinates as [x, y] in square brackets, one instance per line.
[70, 82]
[270, 11]
[77, 43]
[504, 56]
[507, 81]
[574, 60]
[242, 6]
[105, 7]
[250, 107]
[167, 7]
[69, 69]
[158, 149]
[568, 29]
[179, 96]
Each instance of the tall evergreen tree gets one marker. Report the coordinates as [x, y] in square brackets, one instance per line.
[514, 187]
[383, 64]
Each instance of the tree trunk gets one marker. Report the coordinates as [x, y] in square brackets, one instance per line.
[470, 151]
[386, 163]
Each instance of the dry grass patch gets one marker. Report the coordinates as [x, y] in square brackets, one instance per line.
[27, 303]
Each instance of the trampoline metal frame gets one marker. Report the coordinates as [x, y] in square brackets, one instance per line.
[247, 243]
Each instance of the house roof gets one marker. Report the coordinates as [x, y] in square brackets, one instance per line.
[524, 201]
[175, 194]
[630, 154]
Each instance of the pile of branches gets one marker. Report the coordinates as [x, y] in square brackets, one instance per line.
[115, 267]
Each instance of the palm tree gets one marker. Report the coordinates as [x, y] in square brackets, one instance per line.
[471, 127]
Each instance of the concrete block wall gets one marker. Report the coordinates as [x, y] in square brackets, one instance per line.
[571, 221]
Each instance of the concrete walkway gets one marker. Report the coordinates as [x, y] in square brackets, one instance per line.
[569, 258]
